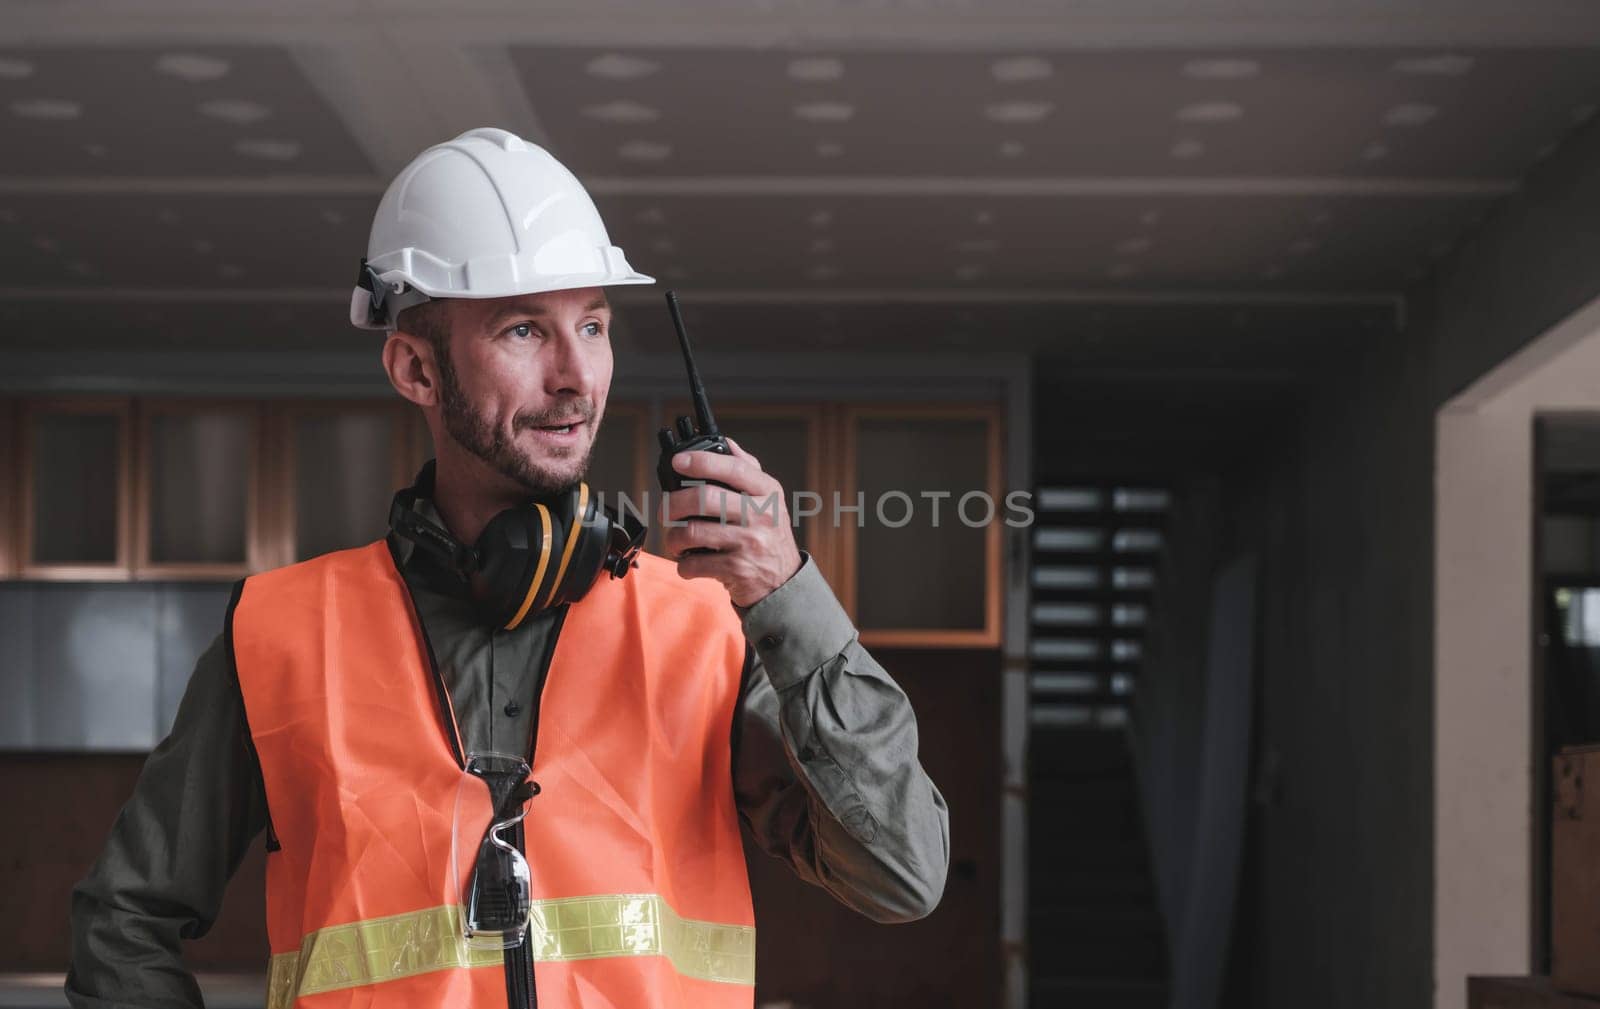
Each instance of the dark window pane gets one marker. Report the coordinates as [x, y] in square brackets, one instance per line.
[921, 576]
[343, 472]
[782, 446]
[199, 487]
[76, 476]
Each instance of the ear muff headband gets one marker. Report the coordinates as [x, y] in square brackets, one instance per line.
[538, 573]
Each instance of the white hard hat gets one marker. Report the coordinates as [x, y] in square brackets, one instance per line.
[486, 215]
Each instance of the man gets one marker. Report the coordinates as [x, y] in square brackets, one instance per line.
[371, 709]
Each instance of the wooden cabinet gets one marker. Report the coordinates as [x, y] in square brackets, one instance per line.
[899, 500]
[922, 555]
[77, 471]
[902, 506]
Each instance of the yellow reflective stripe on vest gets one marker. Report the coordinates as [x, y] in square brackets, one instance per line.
[571, 928]
[641, 924]
[369, 952]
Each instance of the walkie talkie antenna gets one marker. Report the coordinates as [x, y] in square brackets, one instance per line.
[702, 406]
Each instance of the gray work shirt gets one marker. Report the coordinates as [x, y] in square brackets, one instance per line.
[825, 769]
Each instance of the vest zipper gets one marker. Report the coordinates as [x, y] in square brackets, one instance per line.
[520, 991]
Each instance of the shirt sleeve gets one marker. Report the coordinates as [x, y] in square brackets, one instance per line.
[826, 773]
[198, 804]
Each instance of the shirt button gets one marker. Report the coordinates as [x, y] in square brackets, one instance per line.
[769, 641]
[513, 709]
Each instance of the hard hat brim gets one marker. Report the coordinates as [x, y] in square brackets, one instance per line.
[361, 300]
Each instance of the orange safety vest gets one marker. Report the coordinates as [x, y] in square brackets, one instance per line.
[641, 897]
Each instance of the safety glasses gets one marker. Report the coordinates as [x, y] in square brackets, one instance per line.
[496, 896]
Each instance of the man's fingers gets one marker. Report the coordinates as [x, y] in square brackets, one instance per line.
[726, 566]
[703, 500]
[698, 535]
[740, 472]
[740, 452]
[721, 504]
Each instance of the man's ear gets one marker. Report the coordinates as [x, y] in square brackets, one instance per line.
[408, 360]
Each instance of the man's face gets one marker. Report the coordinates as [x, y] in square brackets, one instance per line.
[523, 385]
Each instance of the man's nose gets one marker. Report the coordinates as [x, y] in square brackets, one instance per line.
[571, 368]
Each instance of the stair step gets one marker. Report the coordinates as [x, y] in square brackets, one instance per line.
[1086, 957]
[1081, 752]
[1072, 819]
[1071, 916]
[1065, 784]
[1098, 888]
[1097, 993]
[1117, 856]
[1095, 931]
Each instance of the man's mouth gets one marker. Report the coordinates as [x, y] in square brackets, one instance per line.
[560, 433]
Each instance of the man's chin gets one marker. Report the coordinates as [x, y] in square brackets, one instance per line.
[548, 475]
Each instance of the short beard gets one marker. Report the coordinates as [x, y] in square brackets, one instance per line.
[473, 431]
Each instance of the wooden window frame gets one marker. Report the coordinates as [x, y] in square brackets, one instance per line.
[10, 438]
[989, 635]
[120, 407]
[254, 545]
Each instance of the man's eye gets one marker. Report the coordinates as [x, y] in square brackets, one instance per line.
[522, 329]
[592, 328]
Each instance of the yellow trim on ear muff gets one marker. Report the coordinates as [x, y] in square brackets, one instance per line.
[572, 540]
[538, 574]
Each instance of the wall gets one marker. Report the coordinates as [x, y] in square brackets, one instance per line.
[1338, 910]
[1486, 703]
[1342, 894]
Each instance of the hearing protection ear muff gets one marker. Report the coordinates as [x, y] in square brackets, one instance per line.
[545, 553]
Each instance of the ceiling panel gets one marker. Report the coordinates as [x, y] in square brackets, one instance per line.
[166, 111]
[1259, 338]
[690, 112]
[190, 242]
[1254, 242]
[183, 242]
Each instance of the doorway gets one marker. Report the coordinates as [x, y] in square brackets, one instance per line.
[1489, 733]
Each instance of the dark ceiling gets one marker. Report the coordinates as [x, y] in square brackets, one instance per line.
[1166, 186]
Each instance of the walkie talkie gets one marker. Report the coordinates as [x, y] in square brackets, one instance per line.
[689, 436]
